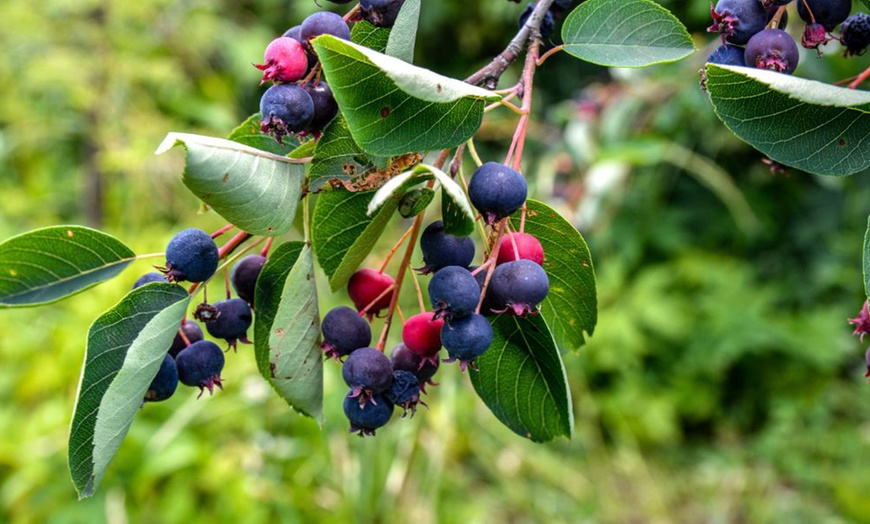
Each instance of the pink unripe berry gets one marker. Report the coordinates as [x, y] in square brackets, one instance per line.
[527, 246]
[422, 334]
[284, 61]
[365, 286]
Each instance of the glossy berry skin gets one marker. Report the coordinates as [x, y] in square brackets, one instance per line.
[422, 334]
[548, 24]
[381, 13]
[466, 338]
[343, 332]
[364, 420]
[367, 371]
[323, 23]
[365, 286]
[829, 13]
[285, 60]
[738, 20]
[164, 383]
[285, 109]
[496, 190]
[453, 292]
[191, 255]
[325, 106]
[404, 359]
[193, 333]
[232, 322]
[442, 250]
[404, 391]
[518, 286]
[527, 246]
[147, 278]
[855, 34]
[200, 365]
[244, 276]
[772, 49]
[727, 55]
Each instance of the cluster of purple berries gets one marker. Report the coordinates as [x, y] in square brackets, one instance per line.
[753, 31]
[192, 255]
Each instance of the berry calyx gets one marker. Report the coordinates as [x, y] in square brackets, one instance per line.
[244, 276]
[343, 332]
[861, 322]
[814, 36]
[285, 60]
[285, 109]
[496, 190]
[232, 322]
[737, 20]
[424, 369]
[164, 384]
[454, 292]
[367, 371]
[441, 249]
[191, 255]
[364, 420]
[466, 338]
[772, 49]
[365, 286]
[422, 334]
[200, 365]
[518, 287]
[527, 246]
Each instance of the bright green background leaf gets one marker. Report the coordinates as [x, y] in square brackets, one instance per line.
[248, 133]
[801, 123]
[404, 32]
[255, 190]
[521, 379]
[571, 306]
[48, 264]
[393, 107]
[126, 346]
[625, 33]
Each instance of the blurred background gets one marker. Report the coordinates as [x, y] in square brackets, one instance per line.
[722, 383]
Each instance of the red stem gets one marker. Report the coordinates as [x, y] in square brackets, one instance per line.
[859, 79]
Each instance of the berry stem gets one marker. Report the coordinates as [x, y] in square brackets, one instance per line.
[490, 262]
[395, 248]
[523, 219]
[810, 11]
[513, 240]
[151, 255]
[374, 301]
[774, 21]
[222, 230]
[306, 224]
[474, 156]
[548, 54]
[265, 251]
[515, 153]
[420, 300]
[865, 74]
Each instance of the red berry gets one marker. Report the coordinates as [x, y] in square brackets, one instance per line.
[365, 286]
[422, 334]
[528, 248]
[284, 61]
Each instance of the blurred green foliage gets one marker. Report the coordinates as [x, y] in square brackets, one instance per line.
[721, 384]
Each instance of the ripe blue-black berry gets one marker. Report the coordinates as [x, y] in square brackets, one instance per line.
[442, 250]
[381, 13]
[244, 276]
[727, 55]
[323, 23]
[325, 106]
[454, 292]
[466, 338]
[147, 278]
[404, 391]
[855, 34]
[738, 20]
[191, 255]
[829, 13]
[232, 322]
[191, 331]
[164, 383]
[548, 24]
[285, 109]
[366, 419]
[496, 190]
[343, 332]
[518, 286]
[200, 365]
[367, 371]
[772, 49]
[517, 246]
[422, 334]
[424, 369]
[285, 60]
[364, 288]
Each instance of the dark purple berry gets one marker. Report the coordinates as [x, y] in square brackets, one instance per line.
[232, 322]
[454, 292]
[548, 24]
[164, 383]
[191, 331]
[442, 250]
[285, 60]
[829, 13]
[406, 360]
[191, 255]
[768, 4]
[366, 419]
[343, 332]
[855, 34]
[200, 365]
[323, 23]
[367, 371]
[466, 338]
[325, 106]
[738, 20]
[496, 190]
[294, 33]
[727, 55]
[147, 278]
[285, 109]
[772, 49]
[867, 359]
[381, 13]
[244, 276]
[404, 391]
[518, 286]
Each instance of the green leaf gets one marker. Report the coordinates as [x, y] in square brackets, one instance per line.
[415, 201]
[397, 187]
[48, 264]
[366, 34]
[287, 328]
[305, 150]
[343, 234]
[866, 4]
[571, 306]
[126, 346]
[625, 33]
[522, 380]
[404, 32]
[393, 107]
[248, 133]
[337, 156]
[812, 126]
[867, 259]
[454, 215]
[255, 190]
